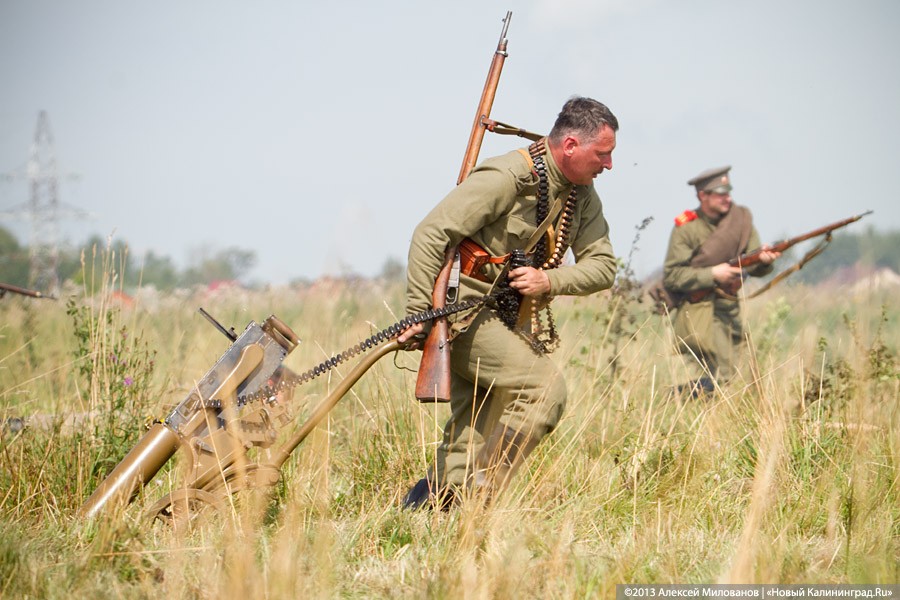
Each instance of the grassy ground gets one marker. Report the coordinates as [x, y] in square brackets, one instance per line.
[791, 476]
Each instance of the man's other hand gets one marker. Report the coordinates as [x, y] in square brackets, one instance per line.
[725, 275]
[409, 334]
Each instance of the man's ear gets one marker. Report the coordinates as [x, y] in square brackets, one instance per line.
[569, 144]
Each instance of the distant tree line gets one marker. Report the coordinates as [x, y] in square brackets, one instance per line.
[204, 267]
[868, 248]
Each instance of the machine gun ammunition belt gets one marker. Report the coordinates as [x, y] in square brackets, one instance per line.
[544, 338]
[384, 335]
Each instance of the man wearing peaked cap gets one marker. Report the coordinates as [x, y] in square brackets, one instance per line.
[703, 286]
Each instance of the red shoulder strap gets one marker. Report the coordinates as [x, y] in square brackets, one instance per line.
[685, 217]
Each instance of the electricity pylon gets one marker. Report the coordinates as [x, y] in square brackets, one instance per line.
[43, 210]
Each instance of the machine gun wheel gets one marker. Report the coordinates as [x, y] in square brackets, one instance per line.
[184, 508]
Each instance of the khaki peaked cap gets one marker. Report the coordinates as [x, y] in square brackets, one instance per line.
[713, 180]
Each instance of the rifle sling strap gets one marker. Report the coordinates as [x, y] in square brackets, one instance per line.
[506, 129]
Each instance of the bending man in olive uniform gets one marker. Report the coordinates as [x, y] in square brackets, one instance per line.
[701, 244]
[506, 392]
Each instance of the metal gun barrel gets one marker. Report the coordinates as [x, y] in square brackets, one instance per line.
[136, 469]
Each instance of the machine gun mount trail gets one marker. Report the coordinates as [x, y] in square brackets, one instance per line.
[228, 425]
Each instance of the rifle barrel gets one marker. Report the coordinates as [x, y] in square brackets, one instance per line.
[506, 21]
[780, 246]
[826, 229]
[484, 106]
[8, 287]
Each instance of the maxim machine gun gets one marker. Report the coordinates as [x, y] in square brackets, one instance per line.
[229, 424]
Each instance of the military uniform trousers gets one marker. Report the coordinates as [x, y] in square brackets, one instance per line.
[712, 331]
[497, 379]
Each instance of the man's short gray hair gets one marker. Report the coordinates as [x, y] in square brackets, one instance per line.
[583, 118]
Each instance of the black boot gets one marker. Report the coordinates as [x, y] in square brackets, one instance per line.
[698, 389]
[423, 495]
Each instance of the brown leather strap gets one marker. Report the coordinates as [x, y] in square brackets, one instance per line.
[545, 225]
[524, 152]
[505, 129]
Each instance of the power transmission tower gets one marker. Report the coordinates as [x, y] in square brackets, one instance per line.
[43, 210]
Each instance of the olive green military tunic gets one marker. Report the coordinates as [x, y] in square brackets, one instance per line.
[496, 375]
[710, 329]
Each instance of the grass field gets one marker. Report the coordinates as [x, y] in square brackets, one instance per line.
[791, 476]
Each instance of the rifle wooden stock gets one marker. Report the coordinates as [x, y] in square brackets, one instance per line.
[750, 259]
[433, 380]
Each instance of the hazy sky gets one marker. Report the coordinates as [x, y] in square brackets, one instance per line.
[319, 134]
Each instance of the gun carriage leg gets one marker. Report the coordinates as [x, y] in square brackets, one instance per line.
[181, 509]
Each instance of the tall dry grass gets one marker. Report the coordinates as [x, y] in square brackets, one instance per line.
[789, 475]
